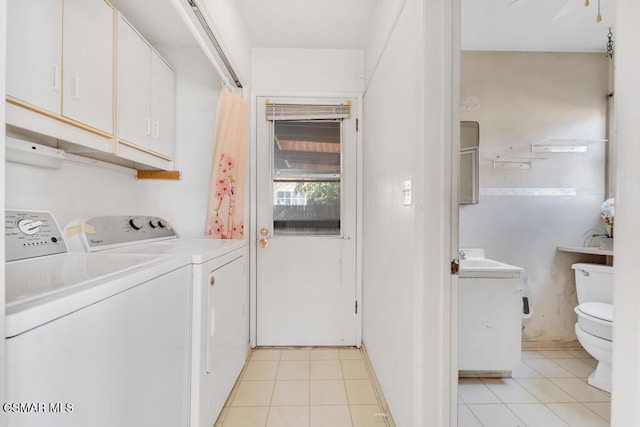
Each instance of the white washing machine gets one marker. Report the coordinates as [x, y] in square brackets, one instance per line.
[93, 339]
[220, 326]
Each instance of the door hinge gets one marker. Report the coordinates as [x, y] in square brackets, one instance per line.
[356, 307]
[455, 266]
[356, 125]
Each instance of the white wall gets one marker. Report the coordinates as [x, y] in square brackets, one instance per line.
[184, 202]
[307, 70]
[382, 24]
[527, 98]
[77, 191]
[625, 410]
[391, 267]
[229, 28]
[406, 281]
[3, 28]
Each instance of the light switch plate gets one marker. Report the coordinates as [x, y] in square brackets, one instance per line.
[407, 192]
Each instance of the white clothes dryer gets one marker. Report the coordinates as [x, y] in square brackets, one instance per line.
[92, 339]
[220, 324]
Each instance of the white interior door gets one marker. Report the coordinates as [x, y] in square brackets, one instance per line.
[306, 228]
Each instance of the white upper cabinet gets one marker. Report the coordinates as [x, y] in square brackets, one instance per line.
[134, 86]
[34, 52]
[88, 56]
[62, 80]
[162, 106]
[145, 94]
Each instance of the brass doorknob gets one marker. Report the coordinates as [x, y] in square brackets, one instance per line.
[263, 243]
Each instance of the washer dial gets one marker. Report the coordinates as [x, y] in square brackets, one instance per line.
[29, 227]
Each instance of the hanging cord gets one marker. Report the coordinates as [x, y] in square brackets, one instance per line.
[599, 15]
[610, 43]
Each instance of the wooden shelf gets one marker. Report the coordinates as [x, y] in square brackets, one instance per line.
[152, 174]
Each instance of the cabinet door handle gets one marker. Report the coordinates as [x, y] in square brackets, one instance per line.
[156, 130]
[55, 75]
[147, 126]
[75, 86]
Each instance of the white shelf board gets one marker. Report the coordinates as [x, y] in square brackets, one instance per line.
[591, 250]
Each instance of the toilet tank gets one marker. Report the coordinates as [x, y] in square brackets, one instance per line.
[594, 282]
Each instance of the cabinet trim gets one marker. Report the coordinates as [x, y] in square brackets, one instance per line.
[57, 117]
[144, 150]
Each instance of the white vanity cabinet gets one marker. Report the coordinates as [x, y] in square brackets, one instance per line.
[489, 324]
[87, 61]
[145, 97]
[34, 53]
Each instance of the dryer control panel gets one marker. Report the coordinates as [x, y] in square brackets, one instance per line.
[114, 231]
[30, 234]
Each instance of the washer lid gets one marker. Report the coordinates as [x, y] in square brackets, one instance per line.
[599, 310]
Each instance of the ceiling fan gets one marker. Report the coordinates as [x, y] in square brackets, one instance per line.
[567, 7]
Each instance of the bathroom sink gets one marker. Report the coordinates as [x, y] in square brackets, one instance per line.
[483, 263]
[476, 265]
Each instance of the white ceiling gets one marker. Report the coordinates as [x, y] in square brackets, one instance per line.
[486, 24]
[325, 24]
[530, 25]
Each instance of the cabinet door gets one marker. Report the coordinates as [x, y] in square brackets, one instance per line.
[88, 55]
[489, 324]
[162, 107]
[34, 52]
[134, 82]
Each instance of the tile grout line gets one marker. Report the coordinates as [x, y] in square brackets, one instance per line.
[346, 392]
[598, 415]
[273, 390]
[474, 415]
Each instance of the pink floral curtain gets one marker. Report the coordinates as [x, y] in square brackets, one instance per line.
[225, 212]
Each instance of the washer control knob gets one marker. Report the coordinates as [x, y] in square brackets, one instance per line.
[157, 222]
[135, 223]
[29, 226]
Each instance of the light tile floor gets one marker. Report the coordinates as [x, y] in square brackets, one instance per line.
[303, 387]
[549, 389]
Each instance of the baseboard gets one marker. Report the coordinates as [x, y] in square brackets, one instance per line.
[378, 390]
[484, 374]
[550, 345]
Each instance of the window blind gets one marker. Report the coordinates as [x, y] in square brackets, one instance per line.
[307, 111]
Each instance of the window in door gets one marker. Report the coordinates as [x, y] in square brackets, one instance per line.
[307, 173]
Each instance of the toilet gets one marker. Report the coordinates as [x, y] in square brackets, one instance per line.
[594, 285]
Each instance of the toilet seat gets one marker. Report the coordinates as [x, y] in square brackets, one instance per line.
[596, 318]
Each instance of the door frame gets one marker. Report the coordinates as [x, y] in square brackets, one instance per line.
[253, 241]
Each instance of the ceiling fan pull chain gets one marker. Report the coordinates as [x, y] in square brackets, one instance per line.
[599, 17]
[610, 43]
[586, 3]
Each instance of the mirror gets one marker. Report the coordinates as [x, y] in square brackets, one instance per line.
[469, 146]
